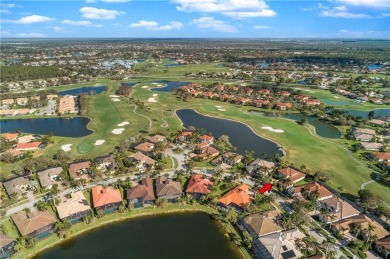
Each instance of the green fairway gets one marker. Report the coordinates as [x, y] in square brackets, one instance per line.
[83, 148]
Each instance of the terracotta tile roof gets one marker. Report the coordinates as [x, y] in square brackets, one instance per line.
[382, 155]
[365, 131]
[145, 147]
[167, 187]
[206, 138]
[10, 136]
[239, 196]
[385, 242]
[142, 158]
[67, 104]
[155, 139]
[104, 196]
[314, 186]
[199, 184]
[340, 209]
[76, 204]
[46, 176]
[5, 240]
[75, 168]
[28, 146]
[143, 190]
[280, 105]
[28, 223]
[292, 174]
[26, 139]
[262, 224]
[345, 225]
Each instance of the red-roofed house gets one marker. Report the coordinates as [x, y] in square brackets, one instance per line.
[261, 103]
[10, 136]
[290, 173]
[106, 199]
[283, 106]
[145, 148]
[306, 189]
[236, 198]
[312, 102]
[28, 146]
[198, 186]
[184, 135]
[206, 139]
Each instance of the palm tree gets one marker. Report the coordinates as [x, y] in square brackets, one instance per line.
[357, 229]
[370, 228]
[328, 247]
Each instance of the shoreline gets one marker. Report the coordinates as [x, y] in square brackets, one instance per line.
[280, 146]
[121, 217]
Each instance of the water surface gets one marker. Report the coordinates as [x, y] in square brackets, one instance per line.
[87, 90]
[170, 85]
[65, 127]
[240, 135]
[175, 236]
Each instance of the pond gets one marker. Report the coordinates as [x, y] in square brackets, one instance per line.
[174, 236]
[336, 103]
[169, 85]
[375, 66]
[64, 127]
[377, 113]
[78, 91]
[240, 135]
[323, 129]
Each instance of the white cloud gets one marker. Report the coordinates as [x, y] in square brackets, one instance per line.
[367, 3]
[95, 13]
[212, 24]
[386, 14]
[340, 12]
[90, 1]
[232, 8]
[77, 23]
[153, 25]
[30, 19]
[58, 29]
[260, 27]
[5, 11]
[7, 6]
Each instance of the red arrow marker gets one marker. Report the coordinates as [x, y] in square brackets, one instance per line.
[266, 188]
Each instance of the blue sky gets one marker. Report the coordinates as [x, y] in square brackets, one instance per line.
[196, 18]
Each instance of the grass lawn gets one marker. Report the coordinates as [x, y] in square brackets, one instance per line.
[10, 229]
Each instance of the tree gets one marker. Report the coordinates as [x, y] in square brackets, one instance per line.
[231, 216]
[161, 202]
[247, 239]
[41, 205]
[62, 156]
[248, 157]
[322, 176]
[367, 199]
[328, 247]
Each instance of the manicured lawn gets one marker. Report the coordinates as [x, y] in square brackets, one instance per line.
[10, 228]
[84, 147]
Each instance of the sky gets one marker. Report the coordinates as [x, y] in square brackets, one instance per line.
[195, 19]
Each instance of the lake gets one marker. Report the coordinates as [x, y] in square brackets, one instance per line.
[323, 129]
[336, 103]
[375, 66]
[174, 236]
[78, 91]
[240, 135]
[377, 113]
[65, 127]
[170, 85]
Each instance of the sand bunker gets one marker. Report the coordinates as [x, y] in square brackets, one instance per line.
[161, 85]
[117, 131]
[272, 129]
[115, 99]
[152, 100]
[114, 96]
[123, 124]
[155, 83]
[66, 147]
[222, 110]
[337, 97]
[155, 94]
[99, 142]
[144, 86]
[218, 106]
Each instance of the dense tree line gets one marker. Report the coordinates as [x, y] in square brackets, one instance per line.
[22, 73]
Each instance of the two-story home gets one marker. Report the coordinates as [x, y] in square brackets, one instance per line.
[106, 199]
[289, 173]
[155, 139]
[49, 177]
[79, 170]
[37, 224]
[143, 161]
[142, 194]
[260, 166]
[106, 163]
[337, 209]
[236, 198]
[199, 185]
[74, 208]
[18, 186]
[261, 224]
[305, 190]
[145, 148]
[168, 189]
